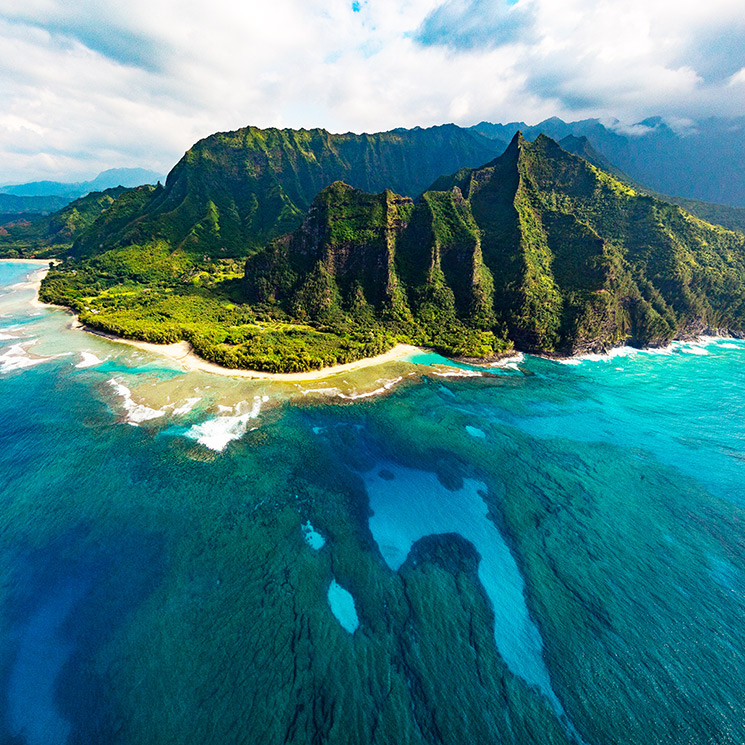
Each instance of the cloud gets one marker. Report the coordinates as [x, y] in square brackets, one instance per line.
[476, 24]
[91, 85]
[738, 78]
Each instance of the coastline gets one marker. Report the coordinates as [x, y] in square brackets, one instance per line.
[43, 262]
[182, 353]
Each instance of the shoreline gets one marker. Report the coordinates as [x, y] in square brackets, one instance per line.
[44, 262]
[183, 353]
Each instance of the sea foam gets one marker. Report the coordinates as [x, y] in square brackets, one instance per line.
[217, 432]
[187, 406]
[17, 357]
[387, 385]
[135, 413]
[88, 359]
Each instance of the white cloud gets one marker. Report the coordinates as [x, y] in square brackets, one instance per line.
[91, 85]
[738, 78]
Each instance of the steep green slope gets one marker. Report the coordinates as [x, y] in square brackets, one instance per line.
[732, 218]
[234, 191]
[12, 206]
[365, 261]
[582, 261]
[51, 235]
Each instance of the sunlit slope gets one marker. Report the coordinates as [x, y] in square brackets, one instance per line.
[234, 191]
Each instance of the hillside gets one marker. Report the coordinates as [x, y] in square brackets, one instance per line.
[12, 206]
[583, 262]
[233, 192]
[51, 235]
[702, 160]
[732, 218]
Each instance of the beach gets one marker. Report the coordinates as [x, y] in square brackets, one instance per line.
[182, 353]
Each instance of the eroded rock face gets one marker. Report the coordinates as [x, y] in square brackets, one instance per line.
[538, 243]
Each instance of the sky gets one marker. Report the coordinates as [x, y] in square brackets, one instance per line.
[93, 84]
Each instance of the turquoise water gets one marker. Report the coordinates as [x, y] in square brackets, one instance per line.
[547, 554]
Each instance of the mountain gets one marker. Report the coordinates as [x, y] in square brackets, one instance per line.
[581, 261]
[14, 206]
[732, 218]
[567, 257]
[381, 259]
[538, 249]
[234, 191]
[129, 177]
[50, 235]
[703, 160]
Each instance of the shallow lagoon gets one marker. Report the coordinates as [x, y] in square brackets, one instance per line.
[557, 538]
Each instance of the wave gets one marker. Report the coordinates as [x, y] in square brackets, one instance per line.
[510, 363]
[377, 392]
[17, 357]
[218, 432]
[187, 406]
[135, 413]
[460, 374]
[695, 346]
[88, 359]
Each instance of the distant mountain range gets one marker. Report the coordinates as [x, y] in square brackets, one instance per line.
[105, 180]
[51, 234]
[702, 161]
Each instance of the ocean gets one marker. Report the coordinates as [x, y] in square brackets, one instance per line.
[545, 552]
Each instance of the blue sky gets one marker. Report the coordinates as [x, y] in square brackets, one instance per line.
[93, 84]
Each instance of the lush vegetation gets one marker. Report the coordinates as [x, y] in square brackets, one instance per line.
[235, 191]
[582, 261]
[538, 249]
[732, 218]
[156, 296]
[361, 260]
[45, 235]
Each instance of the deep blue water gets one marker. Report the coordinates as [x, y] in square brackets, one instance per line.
[547, 554]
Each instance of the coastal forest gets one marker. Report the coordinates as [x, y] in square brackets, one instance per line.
[292, 250]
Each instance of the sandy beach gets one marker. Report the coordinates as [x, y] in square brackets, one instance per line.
[182, 353]
[41, 262]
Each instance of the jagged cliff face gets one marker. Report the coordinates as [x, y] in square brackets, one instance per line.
[384, 259]
[538, 242]
[582, 261]
[234, 192]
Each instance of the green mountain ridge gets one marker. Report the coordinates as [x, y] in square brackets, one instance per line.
[584, 262]
[538, 250]
[700, 160]
[732, 218]
[50, 235]
[567, 257]
[233, 192]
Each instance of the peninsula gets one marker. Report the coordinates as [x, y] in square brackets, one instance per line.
[287, 251]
